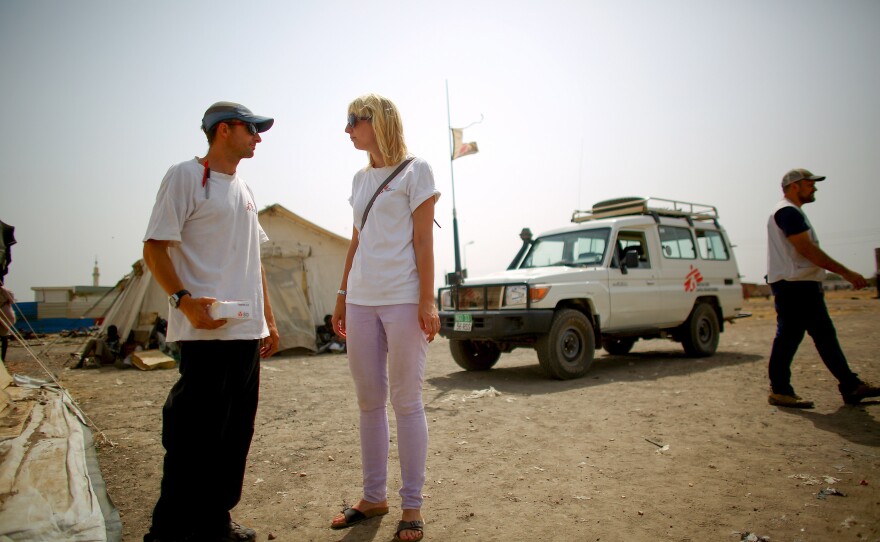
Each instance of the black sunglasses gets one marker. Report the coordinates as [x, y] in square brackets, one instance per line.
[251, 127]
[353, 119]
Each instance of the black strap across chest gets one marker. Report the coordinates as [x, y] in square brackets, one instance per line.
[382, 187]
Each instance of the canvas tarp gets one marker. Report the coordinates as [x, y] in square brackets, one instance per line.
[49, 477]
[293, 317]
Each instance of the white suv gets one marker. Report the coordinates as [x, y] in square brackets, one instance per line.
[630, 269]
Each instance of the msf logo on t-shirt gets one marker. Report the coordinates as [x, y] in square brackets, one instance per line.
[250, 207]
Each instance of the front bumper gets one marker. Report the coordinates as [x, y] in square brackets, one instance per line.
[498, 325]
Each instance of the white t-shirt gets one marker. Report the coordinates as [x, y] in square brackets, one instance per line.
[384, 271]
[215, 247]
[784, 262]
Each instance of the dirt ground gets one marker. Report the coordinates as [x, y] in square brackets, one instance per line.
[650, 446]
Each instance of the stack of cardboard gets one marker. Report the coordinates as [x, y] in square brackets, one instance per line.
[147, 360]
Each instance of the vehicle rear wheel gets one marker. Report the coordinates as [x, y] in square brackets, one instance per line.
[474, 355]
[618, 346]
[701, 332]
[567, 350]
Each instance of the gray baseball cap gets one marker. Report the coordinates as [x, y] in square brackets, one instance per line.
[800, 174]
[221, 111]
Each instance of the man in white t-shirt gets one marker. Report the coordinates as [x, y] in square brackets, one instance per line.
[203, 246]
[795, 270]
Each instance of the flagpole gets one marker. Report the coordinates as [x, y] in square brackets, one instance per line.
[456, 279]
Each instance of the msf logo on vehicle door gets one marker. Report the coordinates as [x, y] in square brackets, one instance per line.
[692, 279]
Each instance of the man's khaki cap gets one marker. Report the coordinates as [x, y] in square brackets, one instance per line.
[800, 174]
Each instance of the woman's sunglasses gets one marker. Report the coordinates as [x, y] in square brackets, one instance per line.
[353, 119]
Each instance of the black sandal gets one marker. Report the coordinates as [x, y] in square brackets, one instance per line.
[354, 516]
[417, 525]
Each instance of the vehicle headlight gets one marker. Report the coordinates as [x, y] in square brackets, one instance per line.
[446, 300]
[515, 295]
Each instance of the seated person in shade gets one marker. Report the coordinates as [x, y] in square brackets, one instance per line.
[327, 339]
[103, 348]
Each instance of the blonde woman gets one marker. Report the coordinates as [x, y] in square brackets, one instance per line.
[385, 309]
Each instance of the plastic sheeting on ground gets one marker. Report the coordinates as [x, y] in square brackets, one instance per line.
[51, 487]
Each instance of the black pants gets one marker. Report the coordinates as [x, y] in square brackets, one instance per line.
[207, 426]
[800, 308]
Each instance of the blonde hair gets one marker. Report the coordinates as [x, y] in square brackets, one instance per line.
[387, 126]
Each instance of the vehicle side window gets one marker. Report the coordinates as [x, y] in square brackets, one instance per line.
[677, 243]
[631, 241]
[712, 246]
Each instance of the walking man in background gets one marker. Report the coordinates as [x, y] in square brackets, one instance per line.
[795, 270]
[203, 245]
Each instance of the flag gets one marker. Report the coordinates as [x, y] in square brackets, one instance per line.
[460, 149]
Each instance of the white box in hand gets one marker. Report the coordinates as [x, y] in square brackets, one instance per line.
[231, 310]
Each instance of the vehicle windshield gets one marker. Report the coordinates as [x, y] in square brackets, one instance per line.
[583, 248]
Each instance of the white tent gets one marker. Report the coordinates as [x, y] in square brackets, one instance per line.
[138, 305]
[303, 264]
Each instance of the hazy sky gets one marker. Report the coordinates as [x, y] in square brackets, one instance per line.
[702, 101]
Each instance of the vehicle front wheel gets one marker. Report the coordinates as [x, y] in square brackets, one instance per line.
[618, 347]
[474, 355]
[701, 332]
[567, 350]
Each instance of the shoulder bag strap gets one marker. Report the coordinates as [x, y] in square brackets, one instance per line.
[382, 187]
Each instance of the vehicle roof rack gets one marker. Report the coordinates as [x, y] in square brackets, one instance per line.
[655, 207]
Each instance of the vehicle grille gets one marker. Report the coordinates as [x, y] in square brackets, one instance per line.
[482, 298]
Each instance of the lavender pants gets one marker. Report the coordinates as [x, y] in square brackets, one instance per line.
[386, 353]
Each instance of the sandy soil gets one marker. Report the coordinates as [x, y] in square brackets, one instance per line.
[649, 446]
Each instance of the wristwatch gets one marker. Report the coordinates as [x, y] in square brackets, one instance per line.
[175, 298]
